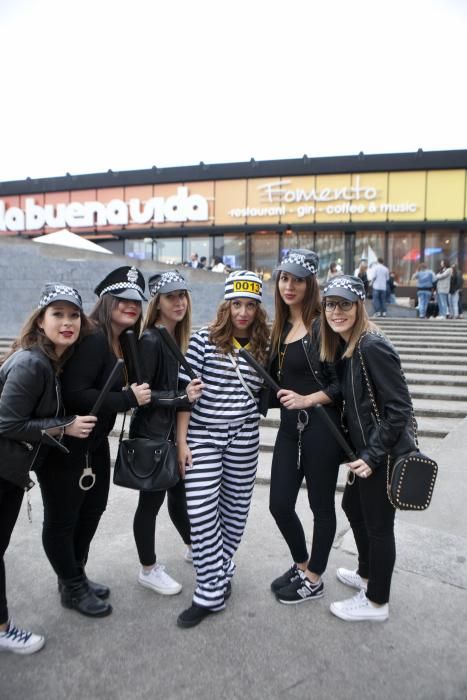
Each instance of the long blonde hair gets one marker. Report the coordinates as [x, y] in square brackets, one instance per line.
[182, 328]
[311, 308]
[221, 332]
[330, 340]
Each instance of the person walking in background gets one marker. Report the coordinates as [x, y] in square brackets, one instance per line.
[170, 306]
[372, 383]
[302, 449]
[333, 271]
[380, 277]
[391, 288]
[362, 273]
[218, 442]
[443, 284]
[75, 487]
[455, 287]
[32, 417]
[425, 283]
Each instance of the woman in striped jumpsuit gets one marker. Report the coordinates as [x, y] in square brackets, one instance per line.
[218, 441]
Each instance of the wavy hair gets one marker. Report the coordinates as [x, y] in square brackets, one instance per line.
[311, 308]
[183, 327]
[32, 336]
[101, 315]
[221, 332]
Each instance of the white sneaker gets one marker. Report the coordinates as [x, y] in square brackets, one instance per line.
[352, 579]
[20, 641]
[159, 581]
[188, 556]
[359, 609]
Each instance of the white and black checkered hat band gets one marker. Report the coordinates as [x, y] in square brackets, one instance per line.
[297, 259]
[120, 286]
[344, 283]
[176, 281]
[59, 292]
[243, 284]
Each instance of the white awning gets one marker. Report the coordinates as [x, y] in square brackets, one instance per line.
[70, 240]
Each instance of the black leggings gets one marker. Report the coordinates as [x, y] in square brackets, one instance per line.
[144, 524]
[11, 497]
[371, 517]
[320, 461]
[71, 515]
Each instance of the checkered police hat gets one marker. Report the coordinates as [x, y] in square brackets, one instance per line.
[345, 286]
[125, 283]
[243, 283]
[300, 263]
[59, 292]
[166, 282]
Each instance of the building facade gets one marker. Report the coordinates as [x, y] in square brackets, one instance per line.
[406, 208]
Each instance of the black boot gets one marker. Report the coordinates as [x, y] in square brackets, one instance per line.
[98, 589]
[76, 594]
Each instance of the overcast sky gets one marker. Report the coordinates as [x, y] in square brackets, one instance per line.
[109, 84]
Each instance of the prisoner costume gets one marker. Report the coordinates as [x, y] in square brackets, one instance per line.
[223, 436]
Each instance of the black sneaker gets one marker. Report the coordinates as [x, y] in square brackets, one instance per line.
[285, 579]
[300, 590]
[193, 615]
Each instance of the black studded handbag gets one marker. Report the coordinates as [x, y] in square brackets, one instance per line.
[411, 477]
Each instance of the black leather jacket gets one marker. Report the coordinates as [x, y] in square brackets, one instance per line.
[30, 404]
[395, 434]
[160, 370]
[324, 372]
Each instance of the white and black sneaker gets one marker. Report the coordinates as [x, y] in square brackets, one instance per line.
[300, 590]
[20, 641]
[284, 580]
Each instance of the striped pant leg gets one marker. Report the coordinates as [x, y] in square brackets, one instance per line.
[240, 461]
[202, 485]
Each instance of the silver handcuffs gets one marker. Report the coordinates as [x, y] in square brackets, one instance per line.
[87, 474]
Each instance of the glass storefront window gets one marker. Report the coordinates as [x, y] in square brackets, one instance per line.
[404, 255]
[232, 250]
[441, 245]
[168, 250]
[141, 249]
[264, 252]
[368, 245]
[199, 245]
[330, 247]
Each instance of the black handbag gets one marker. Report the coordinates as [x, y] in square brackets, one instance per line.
[411, 477]
[146, 464]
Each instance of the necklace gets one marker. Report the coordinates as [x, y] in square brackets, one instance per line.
[282, 348]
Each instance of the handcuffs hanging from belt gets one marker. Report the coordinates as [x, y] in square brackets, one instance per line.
[87, 474]
[302, 422]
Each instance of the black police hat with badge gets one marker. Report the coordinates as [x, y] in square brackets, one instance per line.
[125, 283]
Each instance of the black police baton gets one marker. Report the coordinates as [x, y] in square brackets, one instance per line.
[268, 380]
[336, 433]
[106, 388]
[175, 350]
[133, 350]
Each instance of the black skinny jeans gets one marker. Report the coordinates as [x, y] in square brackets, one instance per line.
[144, 524]
[71, 515]
[11, 497]
[371, 517]
[320, 461]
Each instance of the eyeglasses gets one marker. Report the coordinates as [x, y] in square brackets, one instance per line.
[343, 305]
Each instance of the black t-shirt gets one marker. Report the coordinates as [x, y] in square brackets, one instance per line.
[296, 373]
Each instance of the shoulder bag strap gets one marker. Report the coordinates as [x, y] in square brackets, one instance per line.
[239, 375]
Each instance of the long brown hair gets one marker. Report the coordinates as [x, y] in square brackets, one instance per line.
[102, 316]
[221, 332]
[32, 336]
[311, 308]
[330, 340]
[182, 328]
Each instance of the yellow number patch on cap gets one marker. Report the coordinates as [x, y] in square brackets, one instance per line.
[246, 286]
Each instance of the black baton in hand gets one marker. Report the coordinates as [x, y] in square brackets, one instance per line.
[175, 350]
[268, 380]
[106, 388]
[133, 350]
[337, 433]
